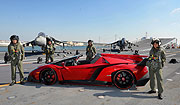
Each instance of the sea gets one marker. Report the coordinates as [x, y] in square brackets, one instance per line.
[37, 48]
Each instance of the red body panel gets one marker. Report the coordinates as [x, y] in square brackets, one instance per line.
[134, 58]
[138, 71]
[107, 63]
[81, 72]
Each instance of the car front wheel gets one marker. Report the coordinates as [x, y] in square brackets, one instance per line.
[48, 76]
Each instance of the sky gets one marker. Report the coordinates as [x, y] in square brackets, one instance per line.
[81, 20]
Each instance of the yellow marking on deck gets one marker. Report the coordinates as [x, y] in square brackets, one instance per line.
[8, 84]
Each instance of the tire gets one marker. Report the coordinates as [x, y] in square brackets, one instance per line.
[29, 79]
[123, 79]
[104, 50]
[48, 76]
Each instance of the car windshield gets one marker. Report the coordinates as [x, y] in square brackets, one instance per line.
[97, 56]
[70, 60]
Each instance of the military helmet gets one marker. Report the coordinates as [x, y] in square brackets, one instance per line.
[156, 40]
[14, 37]
[90, 41]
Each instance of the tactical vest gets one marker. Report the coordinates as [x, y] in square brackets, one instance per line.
[15, 52]
[90, 51]
[49, 49]
[155, 59]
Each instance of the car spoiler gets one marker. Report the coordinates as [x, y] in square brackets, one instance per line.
[135, 58]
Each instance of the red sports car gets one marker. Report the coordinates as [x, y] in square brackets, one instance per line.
[121, 70]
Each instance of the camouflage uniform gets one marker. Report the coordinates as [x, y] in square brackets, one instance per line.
[16, 53]
[49, 50]
[90, 52]
[156, 63]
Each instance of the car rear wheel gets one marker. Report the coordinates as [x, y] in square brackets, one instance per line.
[123, 79]
[48, 76]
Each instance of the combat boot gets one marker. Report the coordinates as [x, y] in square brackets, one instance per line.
[160, 96]
[151, 91]
[12, 83]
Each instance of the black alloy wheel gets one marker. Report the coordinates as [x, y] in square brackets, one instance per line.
[48, 76]
[123, 79]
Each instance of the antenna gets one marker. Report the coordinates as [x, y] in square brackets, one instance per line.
[99, 39]
[146, 34]
[115, 37]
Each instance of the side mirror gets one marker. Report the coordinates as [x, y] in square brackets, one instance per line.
[63, 64]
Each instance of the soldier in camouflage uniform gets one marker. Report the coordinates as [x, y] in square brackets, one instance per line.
[49, 50]
[155, 63]
[90, 50]
[16, 53]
